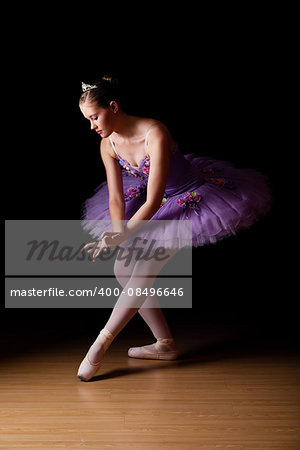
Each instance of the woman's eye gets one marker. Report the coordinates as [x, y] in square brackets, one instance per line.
[94, 117]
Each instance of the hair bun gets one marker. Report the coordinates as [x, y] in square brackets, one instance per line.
[102, 91]
[110, 79]
[107, 78]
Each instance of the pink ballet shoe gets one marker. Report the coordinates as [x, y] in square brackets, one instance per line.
[162, 349]
[88, 369]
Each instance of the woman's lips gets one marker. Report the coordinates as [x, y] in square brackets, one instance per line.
[99, 132]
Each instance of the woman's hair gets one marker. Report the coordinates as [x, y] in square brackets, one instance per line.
[101, 92]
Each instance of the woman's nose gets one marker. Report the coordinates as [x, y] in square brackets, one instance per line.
[93, 126]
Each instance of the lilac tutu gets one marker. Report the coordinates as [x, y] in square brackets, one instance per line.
[215, 197]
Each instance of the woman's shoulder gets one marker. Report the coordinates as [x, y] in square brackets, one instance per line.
[157, 129]
[106, 148]
[154, 129]
[145, 124]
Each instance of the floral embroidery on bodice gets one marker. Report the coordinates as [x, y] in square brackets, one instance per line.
[141, 172]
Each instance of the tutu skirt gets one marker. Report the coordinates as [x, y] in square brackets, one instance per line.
[205, 200]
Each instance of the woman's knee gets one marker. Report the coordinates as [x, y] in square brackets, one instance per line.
[152, 266]
[121, 275]
[123, 270]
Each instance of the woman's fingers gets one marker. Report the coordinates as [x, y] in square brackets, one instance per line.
[91, 244]
[95, 255]
[95, 248]
[110, 235]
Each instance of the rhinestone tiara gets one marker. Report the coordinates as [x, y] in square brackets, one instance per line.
[87, 87]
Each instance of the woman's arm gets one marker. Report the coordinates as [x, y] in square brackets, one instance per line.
[160, 145]
[115, 187]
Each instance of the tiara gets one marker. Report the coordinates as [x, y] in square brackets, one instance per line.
[87, 87]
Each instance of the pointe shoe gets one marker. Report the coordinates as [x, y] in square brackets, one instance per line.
[162, 349]
[87, 369]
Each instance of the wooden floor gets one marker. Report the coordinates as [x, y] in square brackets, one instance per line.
[225, 392]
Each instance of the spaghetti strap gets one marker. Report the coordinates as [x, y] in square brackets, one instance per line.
[113, 145]
[149, 131]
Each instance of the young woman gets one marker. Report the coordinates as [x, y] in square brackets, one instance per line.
[150, 180]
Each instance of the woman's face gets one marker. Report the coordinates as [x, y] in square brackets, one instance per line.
[101, 119]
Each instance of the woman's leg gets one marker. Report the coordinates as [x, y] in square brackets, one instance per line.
[154, 317]
[142, 278]
[150, 311]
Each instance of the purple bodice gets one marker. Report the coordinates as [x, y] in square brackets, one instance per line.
[183, 175]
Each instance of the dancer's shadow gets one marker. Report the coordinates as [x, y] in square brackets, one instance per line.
[225, 347]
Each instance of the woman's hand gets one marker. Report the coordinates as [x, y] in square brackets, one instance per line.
[110, 240]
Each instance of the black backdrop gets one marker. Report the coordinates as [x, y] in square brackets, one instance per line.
[217, 97]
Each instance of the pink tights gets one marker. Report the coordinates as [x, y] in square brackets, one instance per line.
[139, 274]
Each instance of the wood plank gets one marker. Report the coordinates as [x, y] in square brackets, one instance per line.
[237, 402]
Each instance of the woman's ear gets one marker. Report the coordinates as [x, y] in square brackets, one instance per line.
[114, 106]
